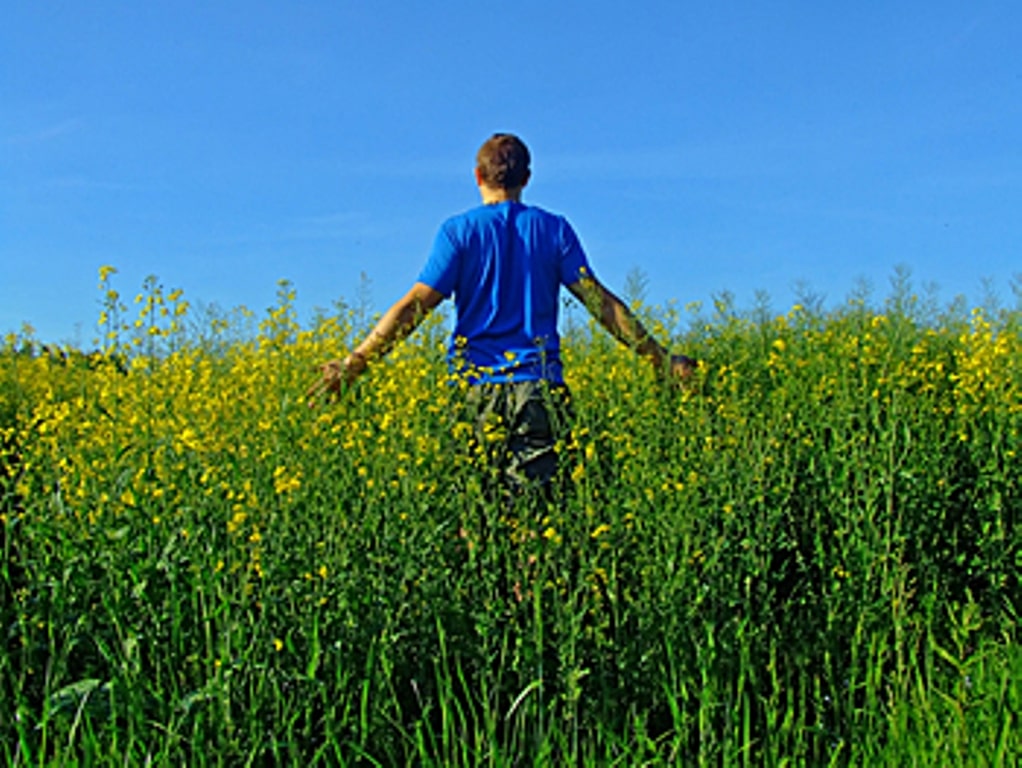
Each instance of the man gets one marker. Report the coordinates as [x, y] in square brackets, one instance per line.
[504, 262]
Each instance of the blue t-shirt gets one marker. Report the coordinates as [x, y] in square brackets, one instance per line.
[505, 264]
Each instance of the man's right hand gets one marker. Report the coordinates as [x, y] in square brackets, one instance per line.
[683, 368]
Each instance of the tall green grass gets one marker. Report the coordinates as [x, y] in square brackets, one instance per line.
[810, 559]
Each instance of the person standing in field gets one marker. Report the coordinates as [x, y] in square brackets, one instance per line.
[504, 262]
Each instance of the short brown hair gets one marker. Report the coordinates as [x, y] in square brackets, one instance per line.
[503, 161]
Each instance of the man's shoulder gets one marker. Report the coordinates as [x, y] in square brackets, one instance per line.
[481, 217]
[484, 212]
[543, 213]
[467, 217]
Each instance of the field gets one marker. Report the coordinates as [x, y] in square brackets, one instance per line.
[810, 557]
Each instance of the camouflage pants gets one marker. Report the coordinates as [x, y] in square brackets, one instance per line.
[517, 428]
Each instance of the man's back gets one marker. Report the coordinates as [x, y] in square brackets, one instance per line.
[505, 263]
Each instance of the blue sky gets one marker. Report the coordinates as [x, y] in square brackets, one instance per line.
[733, 146]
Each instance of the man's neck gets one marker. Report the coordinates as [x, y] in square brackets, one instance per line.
[494, 195]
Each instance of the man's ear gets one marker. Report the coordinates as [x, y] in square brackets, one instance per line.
[479, 176]
[528, 175]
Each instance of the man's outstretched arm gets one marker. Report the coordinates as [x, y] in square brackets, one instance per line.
[406, 314]
[614, 315]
